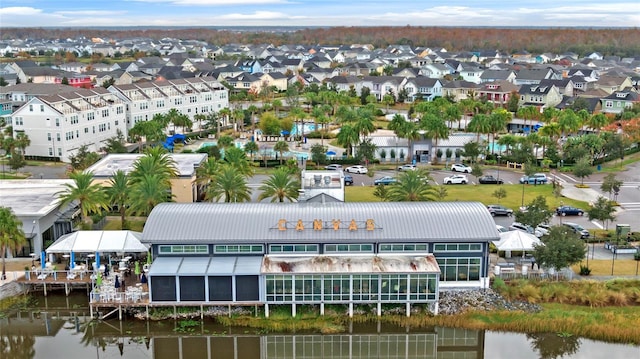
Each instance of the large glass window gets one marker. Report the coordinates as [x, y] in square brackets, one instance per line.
[184, 249]
[308, 288]
[348, 248]
[293, 248]
[457, 247]
[336, 288]
[238, 248]
[393, 287]
[365, 287]
[403, 247]
[279, 288]
[422, 286]
[459, 269]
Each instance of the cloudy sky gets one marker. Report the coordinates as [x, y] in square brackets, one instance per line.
[65, 13]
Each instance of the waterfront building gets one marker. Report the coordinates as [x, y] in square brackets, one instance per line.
[316, 253]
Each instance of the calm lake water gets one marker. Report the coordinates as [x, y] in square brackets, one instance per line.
[60, 328]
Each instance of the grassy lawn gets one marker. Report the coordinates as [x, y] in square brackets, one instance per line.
[619, 166]
[602, 267]
[481, 193]
[114, 225]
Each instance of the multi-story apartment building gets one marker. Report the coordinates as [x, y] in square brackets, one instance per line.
[190, 96]
[58, 125]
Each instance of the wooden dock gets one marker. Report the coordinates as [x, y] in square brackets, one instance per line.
[55, 281]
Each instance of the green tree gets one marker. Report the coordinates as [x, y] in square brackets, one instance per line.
[366, 151]
[269, 124]
[281, 147]
[148, 191]
[83, 158]
[279, 186]
[251, 148]
[434, 128]
[116, 144]
[440, 193]
[404, 129]
[347, 137]
[91, 198]
[602, 210]
[537, 211]
[471, 150]
[11, 234]
[229, 185]
[476, 171]
[118, 194]
[319, 154]
[237, 158]
[561, 248]
[583, 168]
[225, 142]
[611, 184]
[500, 193]
[22, 142]
[411, 186]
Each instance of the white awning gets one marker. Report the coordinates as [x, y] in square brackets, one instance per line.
[201, 266]
[99, 241]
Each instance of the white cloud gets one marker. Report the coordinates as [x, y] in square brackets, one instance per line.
[90, 13]
[219, 2]
[20, 11]
[258, 15]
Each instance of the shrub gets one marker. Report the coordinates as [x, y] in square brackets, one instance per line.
[499, 285]
[584, 270]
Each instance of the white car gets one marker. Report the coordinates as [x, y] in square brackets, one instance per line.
[501, 229]
[333, 167]
[517, 226]
[459, 167]
[407, 168]
[456, 179]
[543, 228]
[356, 169]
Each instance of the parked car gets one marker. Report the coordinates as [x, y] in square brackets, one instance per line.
[569, 211]
[517, 226]
[348, 180]
[459, 167]
[407, 168]
[456, 179]
[333, 167]
[386, 180]
[498, 210]
[357, 169]
[543, 228]
[501, 229]
[489, 180]
[576, 228]
[536, 178]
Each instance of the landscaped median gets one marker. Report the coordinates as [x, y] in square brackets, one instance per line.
[471, 193]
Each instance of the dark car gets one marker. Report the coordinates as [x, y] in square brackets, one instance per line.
[348, 180]
[576, 228]
[569, 211]
[386, 180]
[498, 210]
[489, 180]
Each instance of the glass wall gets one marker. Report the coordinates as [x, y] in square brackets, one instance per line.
[344, 288]
[459, 269]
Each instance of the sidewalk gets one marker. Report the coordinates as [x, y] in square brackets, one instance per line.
[588, 195]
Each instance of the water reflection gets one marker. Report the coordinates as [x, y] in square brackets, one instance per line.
[61, 331]
[552, 346]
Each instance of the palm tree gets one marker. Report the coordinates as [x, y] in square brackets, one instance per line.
[118, 193]
[498, 121]
[404, 129]
[281, 147]
[225, 142]
[11, 234]
[155, 161]
[279, 186]
[237, 159]
[508, 141]
[597, 121]
[178, 119]
[22, 142]
[528, 113]
[207, 171]
[347, 137]
[91, 197]
[569, 121]
[148, 191]
[229, 185]
[411, 186]
[434, 127]
[225, 113]
[479, 124]
[251, 147]
[252, 111]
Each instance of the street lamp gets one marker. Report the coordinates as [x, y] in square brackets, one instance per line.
[499, 169]
[2, 154]
[522, 204]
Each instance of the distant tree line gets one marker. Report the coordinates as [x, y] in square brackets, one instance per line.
[611, 41]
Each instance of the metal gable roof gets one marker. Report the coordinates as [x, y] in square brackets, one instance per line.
[259, 222]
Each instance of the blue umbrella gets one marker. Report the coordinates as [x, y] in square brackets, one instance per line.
[331, 153]
[72, 259]
[43, 259]
[97, 269]
[117, 283]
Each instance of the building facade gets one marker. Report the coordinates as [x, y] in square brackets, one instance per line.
[317, 253]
